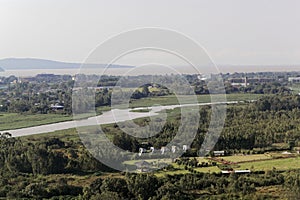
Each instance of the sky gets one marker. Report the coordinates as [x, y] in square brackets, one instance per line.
[235, 32]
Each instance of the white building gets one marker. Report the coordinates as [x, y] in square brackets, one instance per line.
[294, 79]
[219, 153]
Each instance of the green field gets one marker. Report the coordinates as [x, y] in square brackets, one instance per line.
[132, 162]
[245, 158]
[278, 164]
[213, 169]
[172, 99]
[64, 135]
[14, 121]
[164, 173]
[263, 162]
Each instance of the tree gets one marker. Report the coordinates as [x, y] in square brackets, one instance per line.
[116, 185]
[142, 186]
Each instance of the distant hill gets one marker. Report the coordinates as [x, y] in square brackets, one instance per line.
[32, 63]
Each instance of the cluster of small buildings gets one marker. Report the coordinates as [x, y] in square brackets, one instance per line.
[294, 79]
[247, 81]
[162, 150]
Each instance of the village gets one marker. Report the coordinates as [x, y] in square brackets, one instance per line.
[220, 161]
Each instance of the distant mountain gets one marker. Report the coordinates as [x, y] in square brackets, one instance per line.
[32, 63]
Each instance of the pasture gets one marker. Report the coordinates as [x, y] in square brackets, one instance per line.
[246, 158]
[278, 164]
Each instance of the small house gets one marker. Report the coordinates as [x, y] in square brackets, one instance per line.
[141, 151]
[143, 166]
[57, 107]
[219, 153]
[164, 149]
[244, 171]
[185, 147]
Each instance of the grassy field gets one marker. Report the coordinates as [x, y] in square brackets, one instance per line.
[245, 158]
[71, 134]
[164, 173]
[278, 164]
[15, 121]
[64, 135]
[213, 169]
[132, 162]
[172, 99]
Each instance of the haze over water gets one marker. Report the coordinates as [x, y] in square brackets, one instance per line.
[120, 71]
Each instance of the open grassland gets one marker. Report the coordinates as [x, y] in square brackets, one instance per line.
[245, 158]
[212, 169]
[64, 135]
[278, 164]
[202, 159]
[173, 100]
[14, 121]
[132, 162]
[180, 170]
[175, 172]
[68, 135]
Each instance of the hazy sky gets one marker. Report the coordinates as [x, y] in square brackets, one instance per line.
[232, 31]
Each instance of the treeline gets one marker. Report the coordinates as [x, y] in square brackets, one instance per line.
[278, 103]
[41, 97]
[259, 88]
[51, 156]
[149, 187]
[254, 126]
[45, 91]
